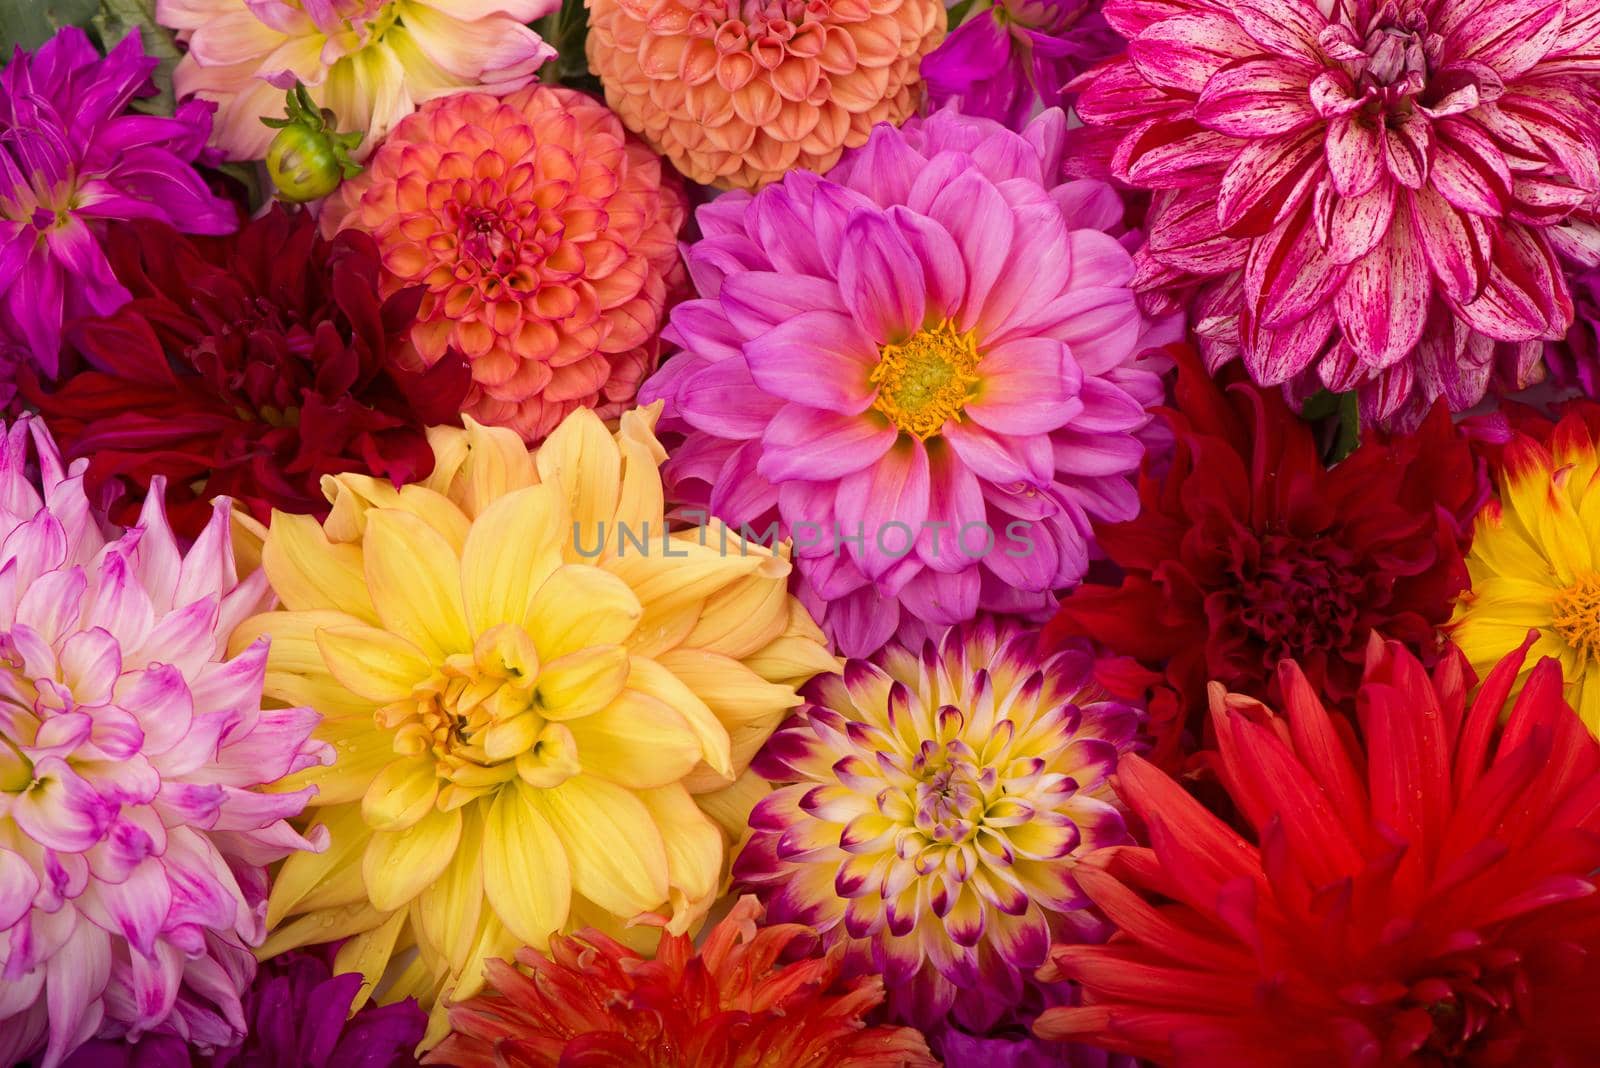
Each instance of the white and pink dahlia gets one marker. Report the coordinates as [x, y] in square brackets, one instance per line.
[133, 843]
[1367, 190]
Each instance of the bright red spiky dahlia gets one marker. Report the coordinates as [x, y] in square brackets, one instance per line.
[1369, 188]
[249, 366]
[1249, 550]
[1423, 897]
[730, 1004]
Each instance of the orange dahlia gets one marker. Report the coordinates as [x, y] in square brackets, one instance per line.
[736, 92]
[543, 236]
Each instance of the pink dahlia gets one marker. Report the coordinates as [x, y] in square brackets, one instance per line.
[1366, 189]
[133, 845]
[922, 368]
[69, 159]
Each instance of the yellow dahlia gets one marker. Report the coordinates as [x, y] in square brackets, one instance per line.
[737, 93]
[540, 724]
[1535, 561]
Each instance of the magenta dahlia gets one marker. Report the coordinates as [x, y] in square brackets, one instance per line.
[923, 368]
[1364, 190]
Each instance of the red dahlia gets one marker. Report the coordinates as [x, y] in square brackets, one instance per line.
[1248, 550]
[250, 366]
[1424, 899]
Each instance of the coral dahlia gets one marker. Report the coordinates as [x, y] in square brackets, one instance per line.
[133, 843]
[1425, 896]
[928, 810]
[370, 62]
[1535, 559]
[533, 690]
[72, 159]
[728, 1004]
[922, 368]
[543, 238]
[1370, 186]
[251, 367]
[1248, 550]
[736, 94]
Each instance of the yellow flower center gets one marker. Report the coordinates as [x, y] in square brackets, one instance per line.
[1577, 616]
[926, 380]
[480, 718]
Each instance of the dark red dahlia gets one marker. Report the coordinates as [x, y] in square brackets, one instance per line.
[249, 366]
[1249, 550]
[1422, 897]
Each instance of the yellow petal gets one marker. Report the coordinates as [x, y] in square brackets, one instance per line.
[249, 537]
[415, 579]
[651, 678]
[512, 548]
[694, 848]
[525, 871]
[303, 873]
[360, 752]
[582, 683]
[579, 606]
[742, 618]
[307, 571]
[369, 954]
[730, 806]
[316, 928]
[399, 865]
[449, 912]
[402, 794]
[637, 741]
[496, 462]
[553, 759]
[581, 458]
[640, 505]
[375, 664]
[617, 858]
[504, 741]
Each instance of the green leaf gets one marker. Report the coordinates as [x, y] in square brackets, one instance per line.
[565, 31]
[117, 19]
[30, 23]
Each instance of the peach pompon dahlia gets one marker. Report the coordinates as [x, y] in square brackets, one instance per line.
[539, 700]
[544, 236]
[371, 62]
[737, 92]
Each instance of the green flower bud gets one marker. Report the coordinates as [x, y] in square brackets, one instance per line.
[309, 157]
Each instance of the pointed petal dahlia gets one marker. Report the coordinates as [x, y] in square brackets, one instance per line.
[1370, 184]
[133, 843]
[923, 368]
[1249, 550]
[728, 1004]
[531, 688]
[543, 237]
[69, 158]
[1423, 896]
[249, 367]
[928, 811]
[736, 94]
[370, 62]
[1535, 559]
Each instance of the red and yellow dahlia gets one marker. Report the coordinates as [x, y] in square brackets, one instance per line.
[1425, 896]
[736, 94]
[729, 1004]
[543, 237]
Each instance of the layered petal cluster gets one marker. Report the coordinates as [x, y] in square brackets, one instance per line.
[736, 94]
[728, 1004]
[1535, 559]
[539, 700]
[298, 1015]
[1248, 549]
[370, 62]
[250, 367]
[71, 158]
[923, 368]
[543, 238]
[133, 840]
[1002, 61]
[1424, 895]
[1574, 361]
[928, 813]
[1367, 190]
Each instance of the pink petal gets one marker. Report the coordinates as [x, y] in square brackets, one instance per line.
[1526, 296]
[18, 884]
[1274, 356]
[889, 502]
[1289, 272]
[1509, 36]
[757, 301]
[1258, 98]
[955, 501]
[819, 359]
[1267, 181]
[60, 810]
[1469, 170]
[803, 443]
[881, 280]
[1456, 245]
[1285, 27]
[1185, 51]
[1406, 151]
[1384, 300]
[1355, 154]
[935, 250]
[1359, 223]
[979, 219]
[702, 401]
[1029, 386]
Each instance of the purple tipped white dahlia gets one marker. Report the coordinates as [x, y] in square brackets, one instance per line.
[1367, 188]
[922, 368]
[133, 843]
[926, 812]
